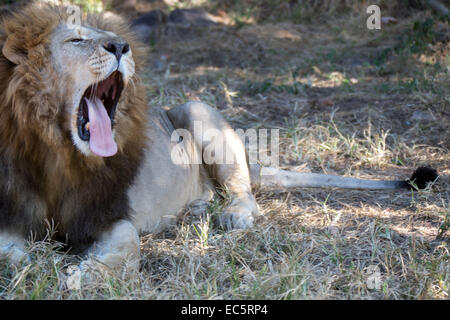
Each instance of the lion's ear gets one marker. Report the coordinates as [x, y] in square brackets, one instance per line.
[14, 52]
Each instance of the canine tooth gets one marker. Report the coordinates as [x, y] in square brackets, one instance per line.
[87, 126]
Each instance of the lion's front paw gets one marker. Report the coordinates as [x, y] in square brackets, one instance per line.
[240, 214]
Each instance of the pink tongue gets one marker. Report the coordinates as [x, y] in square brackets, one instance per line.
[101, 139]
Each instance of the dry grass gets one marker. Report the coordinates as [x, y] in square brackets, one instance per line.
[347, 101]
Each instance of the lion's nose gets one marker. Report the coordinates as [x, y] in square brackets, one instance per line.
[118, 48]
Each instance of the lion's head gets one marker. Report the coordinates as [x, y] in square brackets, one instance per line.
[71, 81]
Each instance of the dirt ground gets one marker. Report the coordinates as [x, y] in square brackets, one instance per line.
[347, 101]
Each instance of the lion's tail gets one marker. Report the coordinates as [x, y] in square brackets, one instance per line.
[274, 178]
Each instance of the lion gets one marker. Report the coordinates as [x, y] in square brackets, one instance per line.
[83, 154]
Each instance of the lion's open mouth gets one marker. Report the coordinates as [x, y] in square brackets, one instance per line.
[96, 114]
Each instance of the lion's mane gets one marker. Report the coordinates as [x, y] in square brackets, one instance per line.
[44, 179]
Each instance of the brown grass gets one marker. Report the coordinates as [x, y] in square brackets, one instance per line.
[343, 107]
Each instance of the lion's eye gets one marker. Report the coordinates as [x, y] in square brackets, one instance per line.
[76, 40]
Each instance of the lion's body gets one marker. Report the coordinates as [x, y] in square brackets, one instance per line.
[162, 188]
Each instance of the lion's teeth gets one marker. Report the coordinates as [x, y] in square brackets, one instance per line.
[87, 126]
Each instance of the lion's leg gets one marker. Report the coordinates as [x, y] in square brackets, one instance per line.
[12, 247]
[117, 248]
[231, 169]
